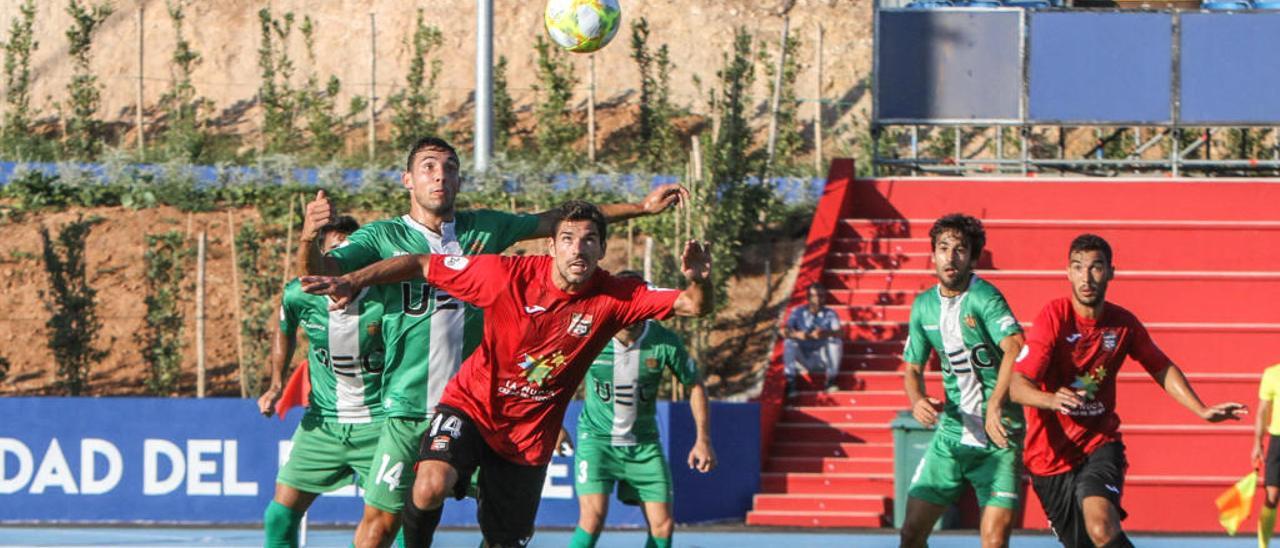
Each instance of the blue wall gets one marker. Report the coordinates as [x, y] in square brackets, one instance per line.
[215, 461]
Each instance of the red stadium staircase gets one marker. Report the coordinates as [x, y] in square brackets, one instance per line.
[1198, 261]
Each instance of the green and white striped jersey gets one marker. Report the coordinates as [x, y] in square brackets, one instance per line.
[622, 386]
[965, 331]
[426, 331]
[344, 355]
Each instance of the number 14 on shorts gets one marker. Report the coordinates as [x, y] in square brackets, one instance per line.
[389, 475]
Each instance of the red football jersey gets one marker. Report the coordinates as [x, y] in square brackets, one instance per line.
[1064, 349]
[539, 342]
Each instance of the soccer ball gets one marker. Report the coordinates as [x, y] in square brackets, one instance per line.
[582, 26]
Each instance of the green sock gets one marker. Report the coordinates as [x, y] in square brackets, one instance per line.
[583, 539]
[655, 542]
[1266, 523]
[400, 539]
[280, 525]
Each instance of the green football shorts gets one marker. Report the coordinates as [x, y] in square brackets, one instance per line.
[328, 455]
[640, 470]
[391, 467]
[947, 465]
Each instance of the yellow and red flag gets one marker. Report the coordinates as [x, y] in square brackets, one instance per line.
[1235, 503]
[297, 392]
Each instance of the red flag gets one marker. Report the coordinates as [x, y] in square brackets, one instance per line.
[297, 393]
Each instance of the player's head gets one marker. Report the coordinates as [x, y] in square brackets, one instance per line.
[578, 241]
[816, 295]
[957, 241]
[431, 175]
[1089, 268]
[335, 233]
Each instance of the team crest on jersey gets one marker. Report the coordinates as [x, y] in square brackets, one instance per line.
[538, 370]
[456, 262]
[971, 321]
[1109, 340]
[580, 324]
[651, 363]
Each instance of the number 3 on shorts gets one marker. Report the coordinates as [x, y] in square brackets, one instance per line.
[582, 471]
[389, 476]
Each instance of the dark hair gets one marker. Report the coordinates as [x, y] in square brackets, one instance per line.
[1090, 242]
[578, 210]
[629, 274]
[815, 286]
[345, 224]
[428, 143]
[968, 227]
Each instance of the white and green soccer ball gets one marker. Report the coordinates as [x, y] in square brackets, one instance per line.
[582, 26]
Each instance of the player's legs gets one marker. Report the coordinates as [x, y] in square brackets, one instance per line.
[790, 364]
[283, 516]
[995, 475]
[1271, 476]
[595, 471]
[921, 515]
[319, 461]
[934, 486]
[391, 474]
[1058, 500]
[449, 452]
[507, 499]
[592, 510]
[1099, 484]
[658, 514]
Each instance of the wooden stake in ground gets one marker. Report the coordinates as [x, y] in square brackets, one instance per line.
[288, 245]
[777, 95]
[591, 108]
[817, 107]
[236, 303]
[142, 139]
[373, 83]
[200, 366]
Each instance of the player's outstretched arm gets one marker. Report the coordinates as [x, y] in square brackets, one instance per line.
[703, 456]
[1175, 384]
[1024, 392]
[282, 347]
[698, 298]
[658, 200]
[341, 289]
[923, 408]
[1011, 346]
[311, 261]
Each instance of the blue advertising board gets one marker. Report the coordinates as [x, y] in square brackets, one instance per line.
[104, 460]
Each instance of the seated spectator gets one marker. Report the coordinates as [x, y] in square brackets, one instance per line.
[813, 339]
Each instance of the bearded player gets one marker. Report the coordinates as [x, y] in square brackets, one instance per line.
[546, 318]
[1066, 379]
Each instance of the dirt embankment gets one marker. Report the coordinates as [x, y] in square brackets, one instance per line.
[114, 253]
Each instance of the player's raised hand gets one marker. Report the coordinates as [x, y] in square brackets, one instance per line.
[1066, 400]
[663, 197]
[926, 411]
[1225, 411]
[995, 427]
[695, 264]
[267, 403]
[319, 212]
[702, 457]
[338, 288]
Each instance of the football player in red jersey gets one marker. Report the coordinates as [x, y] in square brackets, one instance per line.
[546, 318]
[1066, 379]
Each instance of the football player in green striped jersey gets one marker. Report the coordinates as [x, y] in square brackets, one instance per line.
[618, 430]
[427, 331]
[967, 323]
[334, 443]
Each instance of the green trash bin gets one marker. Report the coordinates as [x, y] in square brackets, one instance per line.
[910, 440]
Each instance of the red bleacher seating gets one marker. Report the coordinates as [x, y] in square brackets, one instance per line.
[1198, 261]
